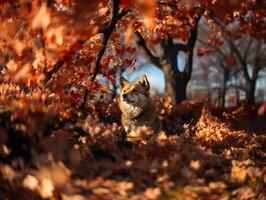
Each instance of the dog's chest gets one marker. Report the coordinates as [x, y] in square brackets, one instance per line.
[144, 118]
[131, 111]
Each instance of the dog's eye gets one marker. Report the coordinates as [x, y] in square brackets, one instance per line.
[134, 90]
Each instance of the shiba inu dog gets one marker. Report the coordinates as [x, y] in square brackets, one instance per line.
[136, 106]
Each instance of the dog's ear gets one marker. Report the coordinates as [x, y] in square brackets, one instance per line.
[122, 81]
[144, 81]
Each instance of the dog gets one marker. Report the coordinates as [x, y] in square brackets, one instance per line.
[136, 106]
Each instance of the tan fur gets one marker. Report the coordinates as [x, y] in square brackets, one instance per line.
[136, 106]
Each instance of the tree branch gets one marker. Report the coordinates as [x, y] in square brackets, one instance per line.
[241, 60]
[57, 66]
[107, 31]
[234, 49]
[141, 42]
[170, 54]
[117, 15]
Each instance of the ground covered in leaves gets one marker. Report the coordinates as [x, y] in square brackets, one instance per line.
[201, 154]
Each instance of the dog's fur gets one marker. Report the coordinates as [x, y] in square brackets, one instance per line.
[136, 106]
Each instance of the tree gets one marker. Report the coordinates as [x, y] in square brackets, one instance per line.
[239, 55]
[245, 22]
[251, 62]
[226, 11]
[176, 80]
[213, 53]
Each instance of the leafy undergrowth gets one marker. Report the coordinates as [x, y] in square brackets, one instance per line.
[200, 155]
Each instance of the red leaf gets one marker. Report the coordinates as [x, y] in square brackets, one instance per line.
[230, 60]
[129, 62]
[82, 74]
[203, 51]
[200, 52]
[262, 109]
[120, 51]
[214, 41]
[92, 69]
[109, 58]
[75, 95]
[124, 4]
[111, 79]
[115, 36]
[131, 50]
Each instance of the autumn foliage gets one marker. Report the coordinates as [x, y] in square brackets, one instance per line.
[60, 130]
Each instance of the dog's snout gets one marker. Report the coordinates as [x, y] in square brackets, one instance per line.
[124, 96]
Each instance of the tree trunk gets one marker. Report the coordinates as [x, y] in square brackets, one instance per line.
[226, 77]
[251, 91]
[181, 84]
[175, 83]
[175, 80]
[222, 104]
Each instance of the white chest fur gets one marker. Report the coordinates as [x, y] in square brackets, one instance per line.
[131, 111]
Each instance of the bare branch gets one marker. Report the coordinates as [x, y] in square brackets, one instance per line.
[234, 49]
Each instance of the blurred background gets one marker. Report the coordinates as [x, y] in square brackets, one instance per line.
[216, 75]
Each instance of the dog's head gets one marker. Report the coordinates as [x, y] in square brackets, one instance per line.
[136, 93]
